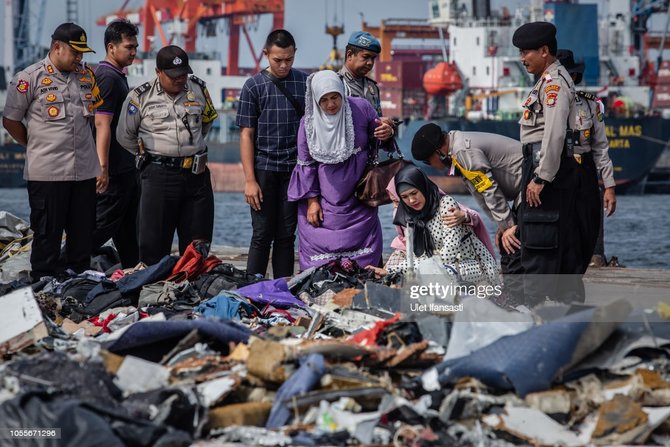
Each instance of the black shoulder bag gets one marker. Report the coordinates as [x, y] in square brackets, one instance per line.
[296, 105]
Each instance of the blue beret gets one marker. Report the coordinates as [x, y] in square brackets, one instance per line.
[532, 36]
[366, 41]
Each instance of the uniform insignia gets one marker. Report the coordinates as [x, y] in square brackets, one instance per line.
[133, 108]
[582, 113]
[587, 133]
[142, 88]
[47, 81]
[85, 79]
[587, 95]
[53, 111]
[22, 86]
[51, 97]
[551, 99]
[552, 88]
[176, 61]
[190, 96]
[600, 116]
[526, 114]
[548, 78]
[527, 101]
[192, 104]
[198, 81]
[50, 69]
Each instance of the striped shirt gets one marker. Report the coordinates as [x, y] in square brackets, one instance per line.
[265, 108]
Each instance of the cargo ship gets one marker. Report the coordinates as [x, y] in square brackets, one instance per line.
[478, 82]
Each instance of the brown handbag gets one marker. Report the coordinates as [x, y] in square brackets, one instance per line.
[371, 188]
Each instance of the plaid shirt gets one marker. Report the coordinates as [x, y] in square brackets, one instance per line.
[264, 107]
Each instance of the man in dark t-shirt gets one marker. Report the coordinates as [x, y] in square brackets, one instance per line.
[116, 212]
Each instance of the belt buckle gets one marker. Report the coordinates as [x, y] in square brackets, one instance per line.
[578, 158]
[187, 162]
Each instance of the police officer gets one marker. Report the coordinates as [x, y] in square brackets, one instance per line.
[490, 166]
[592, 152]
[359, 59]
[56, 98]
[547, 216]
[164, 122]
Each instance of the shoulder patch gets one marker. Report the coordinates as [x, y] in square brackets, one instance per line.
[587, 95]
[22, 86]
[552, 88]
[551, 100]
[198, 81]
[142, 88]
[133, 107]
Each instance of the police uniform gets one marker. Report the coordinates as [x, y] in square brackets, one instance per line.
[592, 153]
[548, 238]
[362, 87]
[61, 161]
[172, 131]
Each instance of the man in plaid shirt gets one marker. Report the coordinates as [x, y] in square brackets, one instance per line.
[269, 120]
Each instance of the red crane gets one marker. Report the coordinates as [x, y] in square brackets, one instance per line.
[184, 15]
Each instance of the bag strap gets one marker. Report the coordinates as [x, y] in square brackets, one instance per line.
[294, 102]
[373, 150]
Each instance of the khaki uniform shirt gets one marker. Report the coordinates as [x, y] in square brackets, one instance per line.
[361, 88]
[163, 122]
[588, 120]
[58, 109]
[545, 117]
[497, 157]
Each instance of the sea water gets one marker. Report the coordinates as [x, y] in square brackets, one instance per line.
[638, 233]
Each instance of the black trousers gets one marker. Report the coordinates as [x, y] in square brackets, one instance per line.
[273, 227]
[589, 210]
[116, 217]
[56, 207]
[173, 198]
[551, 255]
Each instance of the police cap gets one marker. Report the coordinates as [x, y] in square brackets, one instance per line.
[365, 41]
[426, 141]
[73, 35]
[173, 61]
[532, 36]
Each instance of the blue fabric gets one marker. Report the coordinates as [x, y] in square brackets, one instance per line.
[134, 282]
[526, 362]
[151, 340]
[364, 40]
[273, 292]
[303, 380]
[225, 306]
[266, 109]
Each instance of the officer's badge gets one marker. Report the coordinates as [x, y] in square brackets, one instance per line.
[22, 86]
[551, 100]
[50, 69]
[190, 96]
[587, 133]
[51, 97]
[82, 38]
[176, 61]
[47, 81]
[133, 108]
[53, 111]
[526, 114]
[86, 79]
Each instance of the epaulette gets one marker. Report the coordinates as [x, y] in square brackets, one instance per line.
[143, 88]
[587, 95]
[198, 81]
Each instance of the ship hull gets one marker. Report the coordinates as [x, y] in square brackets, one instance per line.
[635, 143]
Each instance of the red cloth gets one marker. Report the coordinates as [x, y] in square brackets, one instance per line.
[369, 337]
[193, 263]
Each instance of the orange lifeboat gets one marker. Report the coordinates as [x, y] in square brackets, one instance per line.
[442, 79]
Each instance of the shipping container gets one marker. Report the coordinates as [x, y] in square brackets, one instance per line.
[400, 74]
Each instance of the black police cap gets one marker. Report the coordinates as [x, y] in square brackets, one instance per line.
[426, 141]
[567, 59]
[173, 61]
[532, 36]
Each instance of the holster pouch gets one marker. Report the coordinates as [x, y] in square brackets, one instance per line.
[199, 163]
[540, 229]
[141, 161]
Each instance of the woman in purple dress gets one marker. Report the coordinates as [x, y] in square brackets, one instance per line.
[332, 155]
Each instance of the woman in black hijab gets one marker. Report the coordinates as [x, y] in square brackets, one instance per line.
[423, 208]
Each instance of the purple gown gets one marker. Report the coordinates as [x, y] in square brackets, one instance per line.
[349, 228]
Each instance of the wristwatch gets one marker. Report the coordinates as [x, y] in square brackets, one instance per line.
[539, 180]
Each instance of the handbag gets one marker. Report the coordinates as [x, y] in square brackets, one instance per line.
[371, 188]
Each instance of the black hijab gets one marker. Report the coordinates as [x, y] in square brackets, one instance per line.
[407, 217]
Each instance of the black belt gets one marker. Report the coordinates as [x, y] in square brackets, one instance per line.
[172, 162]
